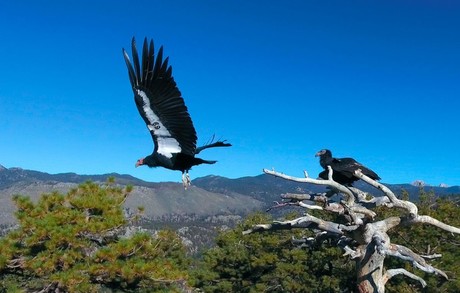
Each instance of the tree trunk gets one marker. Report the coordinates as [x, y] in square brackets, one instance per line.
[370, 270]
[362, 238]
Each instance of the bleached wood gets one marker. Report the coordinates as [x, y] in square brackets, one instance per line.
[433, 256]
[437, 223]
[362, 239]
[329, 182]
[407, 254]
[307, 221]
[407, 205]
[393, 272]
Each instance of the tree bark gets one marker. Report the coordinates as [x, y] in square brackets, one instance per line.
[362, 238]
[370, 270]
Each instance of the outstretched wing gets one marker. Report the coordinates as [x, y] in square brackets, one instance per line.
[159, 102]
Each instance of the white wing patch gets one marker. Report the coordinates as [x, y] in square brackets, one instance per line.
[167, 145]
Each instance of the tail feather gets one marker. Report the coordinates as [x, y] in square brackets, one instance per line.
[211, 144]
[198, 161]
[371, 174]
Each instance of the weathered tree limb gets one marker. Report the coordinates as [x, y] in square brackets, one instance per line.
[433, 256]
[407, 254]
[364, 240]
[320, 237]
[294, 203]
[354, 211]
[330, 206]
[407, 205]
[354, 254]
[316, 197]
[436, 223]
[329, 182]
[363, 210]
[369, 201]
[16, 263]
[344, 243]
[307, 221]
[393, 272]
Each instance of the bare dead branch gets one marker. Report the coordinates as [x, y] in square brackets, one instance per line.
[354, 211]
[294, 203]
[316, 197]
[309, 206]
[407, 254]
[16, 263]
[435, 222]
[363, 210]
[329, 183]
[433, 256]
[304, 241]
[51, 287]
[345, 243]
[407, 205]
[307, 221]
[351, 252]
[370, 201]
[361, 238]
[393, 272]
[277, 204]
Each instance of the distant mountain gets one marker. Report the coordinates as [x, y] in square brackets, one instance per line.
[268, 188]
[12, 176]
[160, 200]
[208, 196]
[212, 203]
[263, 187]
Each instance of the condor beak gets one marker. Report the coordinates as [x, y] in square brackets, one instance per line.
[139, 162]
[317, 154]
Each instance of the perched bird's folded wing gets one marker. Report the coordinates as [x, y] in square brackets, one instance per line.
[349, 165]
[345, 166]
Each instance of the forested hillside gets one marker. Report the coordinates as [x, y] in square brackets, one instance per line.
[83, 241]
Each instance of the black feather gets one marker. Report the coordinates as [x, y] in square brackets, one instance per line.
[137, 69]
[132, 75]
[343, 168]
[162, 108]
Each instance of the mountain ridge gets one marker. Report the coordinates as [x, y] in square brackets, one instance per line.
[159, 199]
[14, 174]
[208, 195]
[210, 204]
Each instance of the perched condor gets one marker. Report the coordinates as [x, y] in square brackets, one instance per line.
[162, 107]
[343, 168]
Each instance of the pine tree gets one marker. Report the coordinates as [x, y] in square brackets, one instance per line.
[428, 240]
[273, 262]
[74, 242]
[270, 262]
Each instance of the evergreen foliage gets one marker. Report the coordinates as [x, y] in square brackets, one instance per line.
[79, 242]
[75, 243]
[270, 262]
[429, 240]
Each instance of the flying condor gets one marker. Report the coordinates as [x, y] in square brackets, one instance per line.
[163, 110]
[343, 168]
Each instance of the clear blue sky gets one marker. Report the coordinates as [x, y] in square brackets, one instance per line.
[375, 80]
